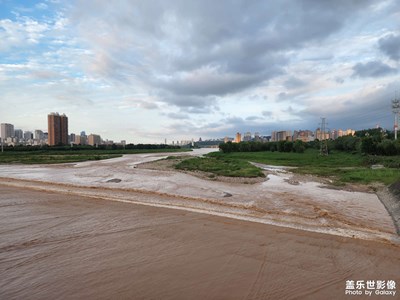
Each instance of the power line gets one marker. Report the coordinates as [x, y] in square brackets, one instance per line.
[324, 140]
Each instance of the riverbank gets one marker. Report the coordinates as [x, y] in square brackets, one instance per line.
[390, 198]
[280, 200]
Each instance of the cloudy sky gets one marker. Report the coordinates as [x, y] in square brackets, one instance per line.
[178, 69]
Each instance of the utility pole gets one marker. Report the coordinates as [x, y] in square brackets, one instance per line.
[324, 141]
[396, 111]
[2, 149]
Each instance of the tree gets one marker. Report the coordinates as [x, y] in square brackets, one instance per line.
[368, 146]
[299, 146]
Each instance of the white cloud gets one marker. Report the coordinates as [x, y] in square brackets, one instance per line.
[172, 69]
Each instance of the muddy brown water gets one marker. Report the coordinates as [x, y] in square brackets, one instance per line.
[56, 246]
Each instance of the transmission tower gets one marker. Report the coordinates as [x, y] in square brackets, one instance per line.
[396, 111]
[323, 140]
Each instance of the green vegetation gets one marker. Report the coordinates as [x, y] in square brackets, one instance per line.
[350, 157]
[221, 166]
[49, 158]
[66, 155]
[370, 141]
[282, 146]
[342, 167]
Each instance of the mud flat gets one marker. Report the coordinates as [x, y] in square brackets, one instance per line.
[57, 246]
[281, 199]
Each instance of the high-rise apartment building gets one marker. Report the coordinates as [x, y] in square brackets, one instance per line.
[72, 138]
[281, 136]
[28, 135]
[80, 140]
[39, 135]
[247, 137]
[303, 135]
[58, 129]
[7, 130]
[19, 134]
[238, 138]
[94, 140]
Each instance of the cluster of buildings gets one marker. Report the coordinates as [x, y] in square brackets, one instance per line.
[286, 135]
[11, 136]
[57, 134]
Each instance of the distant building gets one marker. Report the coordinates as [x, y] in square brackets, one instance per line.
[80, 140]
[28, 135]
[58, 129]
[247, 137]
[72, 138]
[319, 135]
[19, 134]
[257, 137]
[7, 130]
[228, 139]
[94, 139]
[39, 135]
[238, 138]
[303, 135]
[281, 136]
[334, 134]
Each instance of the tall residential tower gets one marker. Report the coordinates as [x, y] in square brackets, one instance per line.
[7, 130]
[58, 129]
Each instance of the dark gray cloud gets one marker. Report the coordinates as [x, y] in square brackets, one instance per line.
[373, 69]
[390, 45]
[189, 103]
[177, 116]
[293, 83]
[204, 48]
[253, 118]
[211, 83]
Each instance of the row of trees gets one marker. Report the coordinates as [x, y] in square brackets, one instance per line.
[281, 146]
[375, 145]
[370, 141]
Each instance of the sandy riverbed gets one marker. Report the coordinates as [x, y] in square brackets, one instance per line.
[57, 246]
[306, 205]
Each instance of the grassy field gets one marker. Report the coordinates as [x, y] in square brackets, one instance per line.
[59, 156]
[342, 167]
[221, 166]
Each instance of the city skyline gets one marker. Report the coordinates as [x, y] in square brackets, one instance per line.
[57, 134]
[149, 71]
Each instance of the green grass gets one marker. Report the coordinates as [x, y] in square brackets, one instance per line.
[366, 176]
[33, 158]
[309, 157]
[66, 156]
[342, 167]
[221, 166]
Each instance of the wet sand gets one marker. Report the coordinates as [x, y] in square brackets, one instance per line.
[56, 246]
[306, 205]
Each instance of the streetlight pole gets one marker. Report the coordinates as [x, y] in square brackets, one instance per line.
[396, 110]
